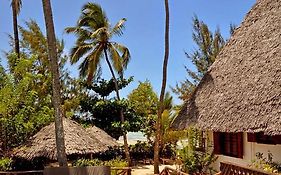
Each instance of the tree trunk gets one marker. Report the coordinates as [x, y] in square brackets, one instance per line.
[16, 32]
[162, 93]
[127, 153]
[52, 54]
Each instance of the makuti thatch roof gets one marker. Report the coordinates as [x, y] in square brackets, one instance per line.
[102, 136]
[77, 141]
[242, 89]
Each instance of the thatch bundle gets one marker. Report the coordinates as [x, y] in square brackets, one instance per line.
[241, 91]
[77, 141]
[102, 136]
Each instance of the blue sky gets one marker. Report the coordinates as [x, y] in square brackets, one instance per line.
[144, 33]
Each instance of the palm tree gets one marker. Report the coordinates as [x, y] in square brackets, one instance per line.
[16, 6]
[52, 54]
[162, 93]
[93, 44]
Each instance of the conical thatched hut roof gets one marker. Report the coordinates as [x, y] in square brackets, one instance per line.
[102, 136]
[77, 141]
[242, 89]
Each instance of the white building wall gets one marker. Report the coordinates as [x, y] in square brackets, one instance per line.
[250, 149]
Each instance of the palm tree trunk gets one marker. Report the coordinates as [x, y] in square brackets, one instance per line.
[16, 32]
[162, 93]
[52, 53]
[127, 153]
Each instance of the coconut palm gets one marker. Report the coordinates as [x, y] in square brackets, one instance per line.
[52, 54]
[93, 44]
[16, 6]
[162, 93]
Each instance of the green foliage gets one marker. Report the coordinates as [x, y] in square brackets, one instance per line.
[266, 164]
[5, 164]
[105, 113]
[208, 47]
[86, 162]
[170, 137]
[141, 150]
[104, 87]
[94, 33]
[117, 162]
[144, 101]
[22, 110]
[196, 161]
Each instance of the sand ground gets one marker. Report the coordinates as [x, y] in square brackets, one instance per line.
[148, 169]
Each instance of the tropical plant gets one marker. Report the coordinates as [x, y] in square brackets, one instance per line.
[209, 46]
[16, 7]
[266, 164]
[98, 109]
[22, 110]
[144, 101]
[117, 162]
[5, 164]
[196, 160]
[93, 43]
[162, 93]
[52, 53]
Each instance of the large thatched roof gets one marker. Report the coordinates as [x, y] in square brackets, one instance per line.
[102, 136]
[77, 141]
[242, 89]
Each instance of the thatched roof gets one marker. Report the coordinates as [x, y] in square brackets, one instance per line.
[102, 136]
[242, 89]
[77, 141]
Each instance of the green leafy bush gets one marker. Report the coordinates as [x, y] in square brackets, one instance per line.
[86, 162]
[118, 162]
[195, 160]
[266, 164]
[5, 164]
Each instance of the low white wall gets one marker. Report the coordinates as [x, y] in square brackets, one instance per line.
[250, 149]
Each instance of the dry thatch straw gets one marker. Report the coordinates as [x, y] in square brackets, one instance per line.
[241, 92]
[102, 136]
[77, 141]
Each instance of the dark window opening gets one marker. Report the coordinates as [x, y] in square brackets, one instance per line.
[229, 144]
[264, 139]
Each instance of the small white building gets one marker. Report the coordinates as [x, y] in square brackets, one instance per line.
[239, 99]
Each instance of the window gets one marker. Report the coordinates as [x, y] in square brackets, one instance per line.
[264, 139]
[229, 144]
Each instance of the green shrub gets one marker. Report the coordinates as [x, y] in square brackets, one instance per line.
[266, 164]
[6, 164]
[87, 162]
[194, 159]
[118, 162]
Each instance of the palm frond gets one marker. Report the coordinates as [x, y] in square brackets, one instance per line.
[100, 34]
[94, 62]
[93, 16]
[71, 30]
[79, 31]
[118, 28]
[79, 51]
[83, 67]
[126, 56]
[115, 59]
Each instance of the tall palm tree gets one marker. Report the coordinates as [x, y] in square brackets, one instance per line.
[16, 6]
[93, 44]
[52, 54]
[162, 93]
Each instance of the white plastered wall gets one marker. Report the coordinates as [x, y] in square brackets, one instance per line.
[250, 149]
